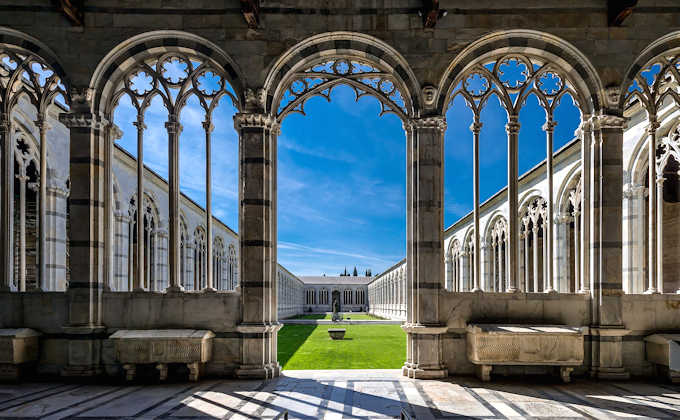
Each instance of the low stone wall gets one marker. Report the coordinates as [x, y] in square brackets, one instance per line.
[47, 313]
[457, 309]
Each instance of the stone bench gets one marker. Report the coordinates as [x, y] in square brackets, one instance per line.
[18, 347]
[663, 350]
[524, 345]
[162, 347]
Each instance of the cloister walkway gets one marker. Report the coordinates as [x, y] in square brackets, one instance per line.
[344, 394]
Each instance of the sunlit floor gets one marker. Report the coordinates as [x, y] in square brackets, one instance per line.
[366, 394]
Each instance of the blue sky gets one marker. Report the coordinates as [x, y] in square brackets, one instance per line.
[342, 171]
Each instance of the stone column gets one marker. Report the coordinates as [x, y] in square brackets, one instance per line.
[425, 254]
[449, 272]
[42, 126]
[525, 222]
[577, 251]
[512, 129]
[87, 237]
[174, 230]
[7, 202]
[659, 235]
[653, 225]
[534, 247]
[587, 140]
[22, 229]
[606, 185]
[257, 217]
[549, 128]
[494, 268]
[56, 255]
[138, 280]
[208, 127]
[476, 128]
[562, 249]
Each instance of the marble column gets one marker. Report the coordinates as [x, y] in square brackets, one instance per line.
[659, 233]
[476, 128]
[257, 225]
[87, 237]
[174, 129]
[534, 248]
[577, 251]
[587, 136]
[549, 128]
[208, 127]
[425, 247]
[139, 279]
[449, 272]
[42, 126]
[7, 203]
[525, 222]
[605, 207]
[652, 213]
[22, 229]
[512, 128]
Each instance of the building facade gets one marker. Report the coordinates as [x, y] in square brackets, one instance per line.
[320, 292]
[415, 66]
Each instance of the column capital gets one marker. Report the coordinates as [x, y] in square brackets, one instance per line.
[512, 127]
[563, 218]
[608, 121]
[172, 125]
[208, 125]
[434, 121]
[549, 125]
[586, 126]
[21, 178]
[116, 132]
[41, 123]
[476, 127]
[83, 120]
[653, 126]
[660, 180]
[254, 120]
[58, 191]
[140, 123]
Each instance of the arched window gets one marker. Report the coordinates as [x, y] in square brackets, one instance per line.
[219, 263]
[232, 278]
[347, 297]
[496, 248]
[323, 297]
[27, 84]
[200, 262]
[143, 261]
[533, 219]
[454, 266]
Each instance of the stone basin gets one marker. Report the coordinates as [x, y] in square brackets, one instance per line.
[336, 333]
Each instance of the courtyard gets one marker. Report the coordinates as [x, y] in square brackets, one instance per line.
[364, 347]
[365, 394]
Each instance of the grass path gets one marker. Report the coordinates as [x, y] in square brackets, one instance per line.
[364, 347]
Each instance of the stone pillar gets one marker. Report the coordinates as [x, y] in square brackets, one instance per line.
[606, 186]
[87, 237]
[22, 229]
[562, 251]
[257, 225]
[512, 129]
[42, 126]
[534, 248]
[449, 272]
[425, 247]
[577, 251]
[549, 128]
[659, 233]
[476, 272]
[56, 256]
[7, 203]
[525, 222]
[587, 139]
[208, 127]
[652, 214]
[174, 230]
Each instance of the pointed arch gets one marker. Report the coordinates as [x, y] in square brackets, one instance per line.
[367, 64]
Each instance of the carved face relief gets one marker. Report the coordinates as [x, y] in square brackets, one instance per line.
[429, 93]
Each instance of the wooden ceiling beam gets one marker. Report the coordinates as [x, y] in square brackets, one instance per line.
[251, 12]
[73, 10]
[619, 10]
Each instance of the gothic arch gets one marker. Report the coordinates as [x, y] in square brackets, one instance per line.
[491, 221]
[668, 44]
[370, 66]
[16, 42]
[527, 197]
[559, 56]
[570, 182]
[130, 53]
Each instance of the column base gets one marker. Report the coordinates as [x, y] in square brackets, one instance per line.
[610, 374]
[174, 289]
[650, 291]
[274, 370]
[252, 372]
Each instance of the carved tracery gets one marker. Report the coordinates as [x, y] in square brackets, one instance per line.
[364, 78]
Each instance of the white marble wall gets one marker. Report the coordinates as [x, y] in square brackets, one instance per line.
[387, 293]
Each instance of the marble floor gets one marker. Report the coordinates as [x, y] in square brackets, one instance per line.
[344, 394]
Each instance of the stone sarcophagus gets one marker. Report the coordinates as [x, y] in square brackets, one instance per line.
[18, 347]
[524, 345]
[663, 350]
[162, 347]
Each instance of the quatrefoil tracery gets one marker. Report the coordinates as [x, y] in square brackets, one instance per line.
[175, 78]
[24, 74]
[655, 83]
[513, 78]
[365, 79]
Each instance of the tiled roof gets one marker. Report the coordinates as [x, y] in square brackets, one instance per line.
[335, 279]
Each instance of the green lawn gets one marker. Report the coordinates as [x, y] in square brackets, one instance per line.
[364, 347]
[329, 316]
